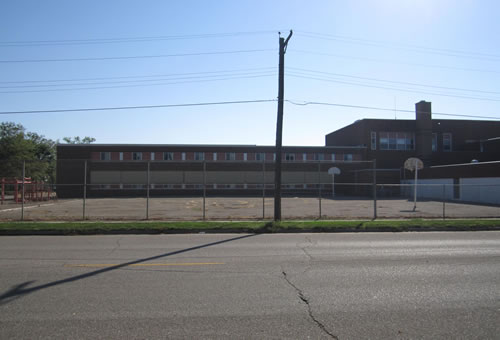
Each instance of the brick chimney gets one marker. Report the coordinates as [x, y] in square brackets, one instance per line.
[423, 131]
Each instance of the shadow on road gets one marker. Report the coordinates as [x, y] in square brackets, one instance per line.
[20, 290]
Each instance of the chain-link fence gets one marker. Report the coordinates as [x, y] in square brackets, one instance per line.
[95, 190]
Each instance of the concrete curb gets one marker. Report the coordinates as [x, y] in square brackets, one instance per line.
[146, 231]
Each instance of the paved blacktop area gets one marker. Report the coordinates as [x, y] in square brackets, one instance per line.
[239, 208]
[273, 286]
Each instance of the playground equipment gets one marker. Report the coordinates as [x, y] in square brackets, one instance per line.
[33, 190]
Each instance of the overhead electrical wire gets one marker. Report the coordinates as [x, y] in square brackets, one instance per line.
[305, 103]
[390, 81]
[298, 75]
[293, 102]
[401, 46]
[229, 77]
[135, 57]
[115, 40]
[394, 62]
[138, 76]
[112, 108]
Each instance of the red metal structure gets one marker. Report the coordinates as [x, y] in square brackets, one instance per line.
[33, 190]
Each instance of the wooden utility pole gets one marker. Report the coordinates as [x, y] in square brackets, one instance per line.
[279, 128]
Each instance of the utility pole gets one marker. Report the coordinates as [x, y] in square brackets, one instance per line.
[279, 128]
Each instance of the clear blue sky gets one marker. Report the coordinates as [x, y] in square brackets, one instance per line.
[360, 49]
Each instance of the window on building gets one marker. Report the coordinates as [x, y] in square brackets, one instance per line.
[199, 156]
[319, 156]
[304, 156]
[245, 156]
[230, 156]
[333, 157]
[183, 156]
[434, 141]
[136, 156]
[260, 156]
[105, 156]
[446, 141]
[121, 156]
[215, 156]
[396, 141]
[374, 140]
[348, 157]
[168, 156]
[152, 156]
[289, 157]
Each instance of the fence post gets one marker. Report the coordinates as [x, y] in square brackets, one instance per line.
[147, 191]
[22, 191]
[84, 188]
[319, 187]
[264, 188]
[374, 189]
[204, 186]
[444, 199]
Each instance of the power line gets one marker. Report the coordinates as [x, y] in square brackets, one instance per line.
[391, 81]
[137, 76]
[135, 57]
[393, 62]
[391, 88]
[141, 85]
[236, 75]
[21, 43]
[401, 46]
[140, 107]
[305, 103]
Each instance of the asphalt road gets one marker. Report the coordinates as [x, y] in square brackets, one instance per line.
[345, 286]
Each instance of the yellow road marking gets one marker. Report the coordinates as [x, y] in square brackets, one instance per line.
[103, 265]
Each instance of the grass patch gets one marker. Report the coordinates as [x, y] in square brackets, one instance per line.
[63, 228]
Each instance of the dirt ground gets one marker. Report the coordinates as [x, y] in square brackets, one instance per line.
[238, 208]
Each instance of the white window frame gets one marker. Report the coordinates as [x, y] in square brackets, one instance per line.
[106, 154]
[319, 156]
[165, 157]
[448, 134]
[373, 140]
[199, 156]
[260, 156]
[434, 143]
[348, 157]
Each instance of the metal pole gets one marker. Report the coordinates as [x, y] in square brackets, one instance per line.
[147, 191]
[444, 198]
[204, 187]
[264, 188]
[374, 189]
[84, 188]
[415, 189]
[22, 192]
[319, 187]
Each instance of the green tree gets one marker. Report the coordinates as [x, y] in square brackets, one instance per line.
[17, 145]
[78, 140]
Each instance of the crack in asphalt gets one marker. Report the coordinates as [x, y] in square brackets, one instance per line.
[309, 310]
[118, 245]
